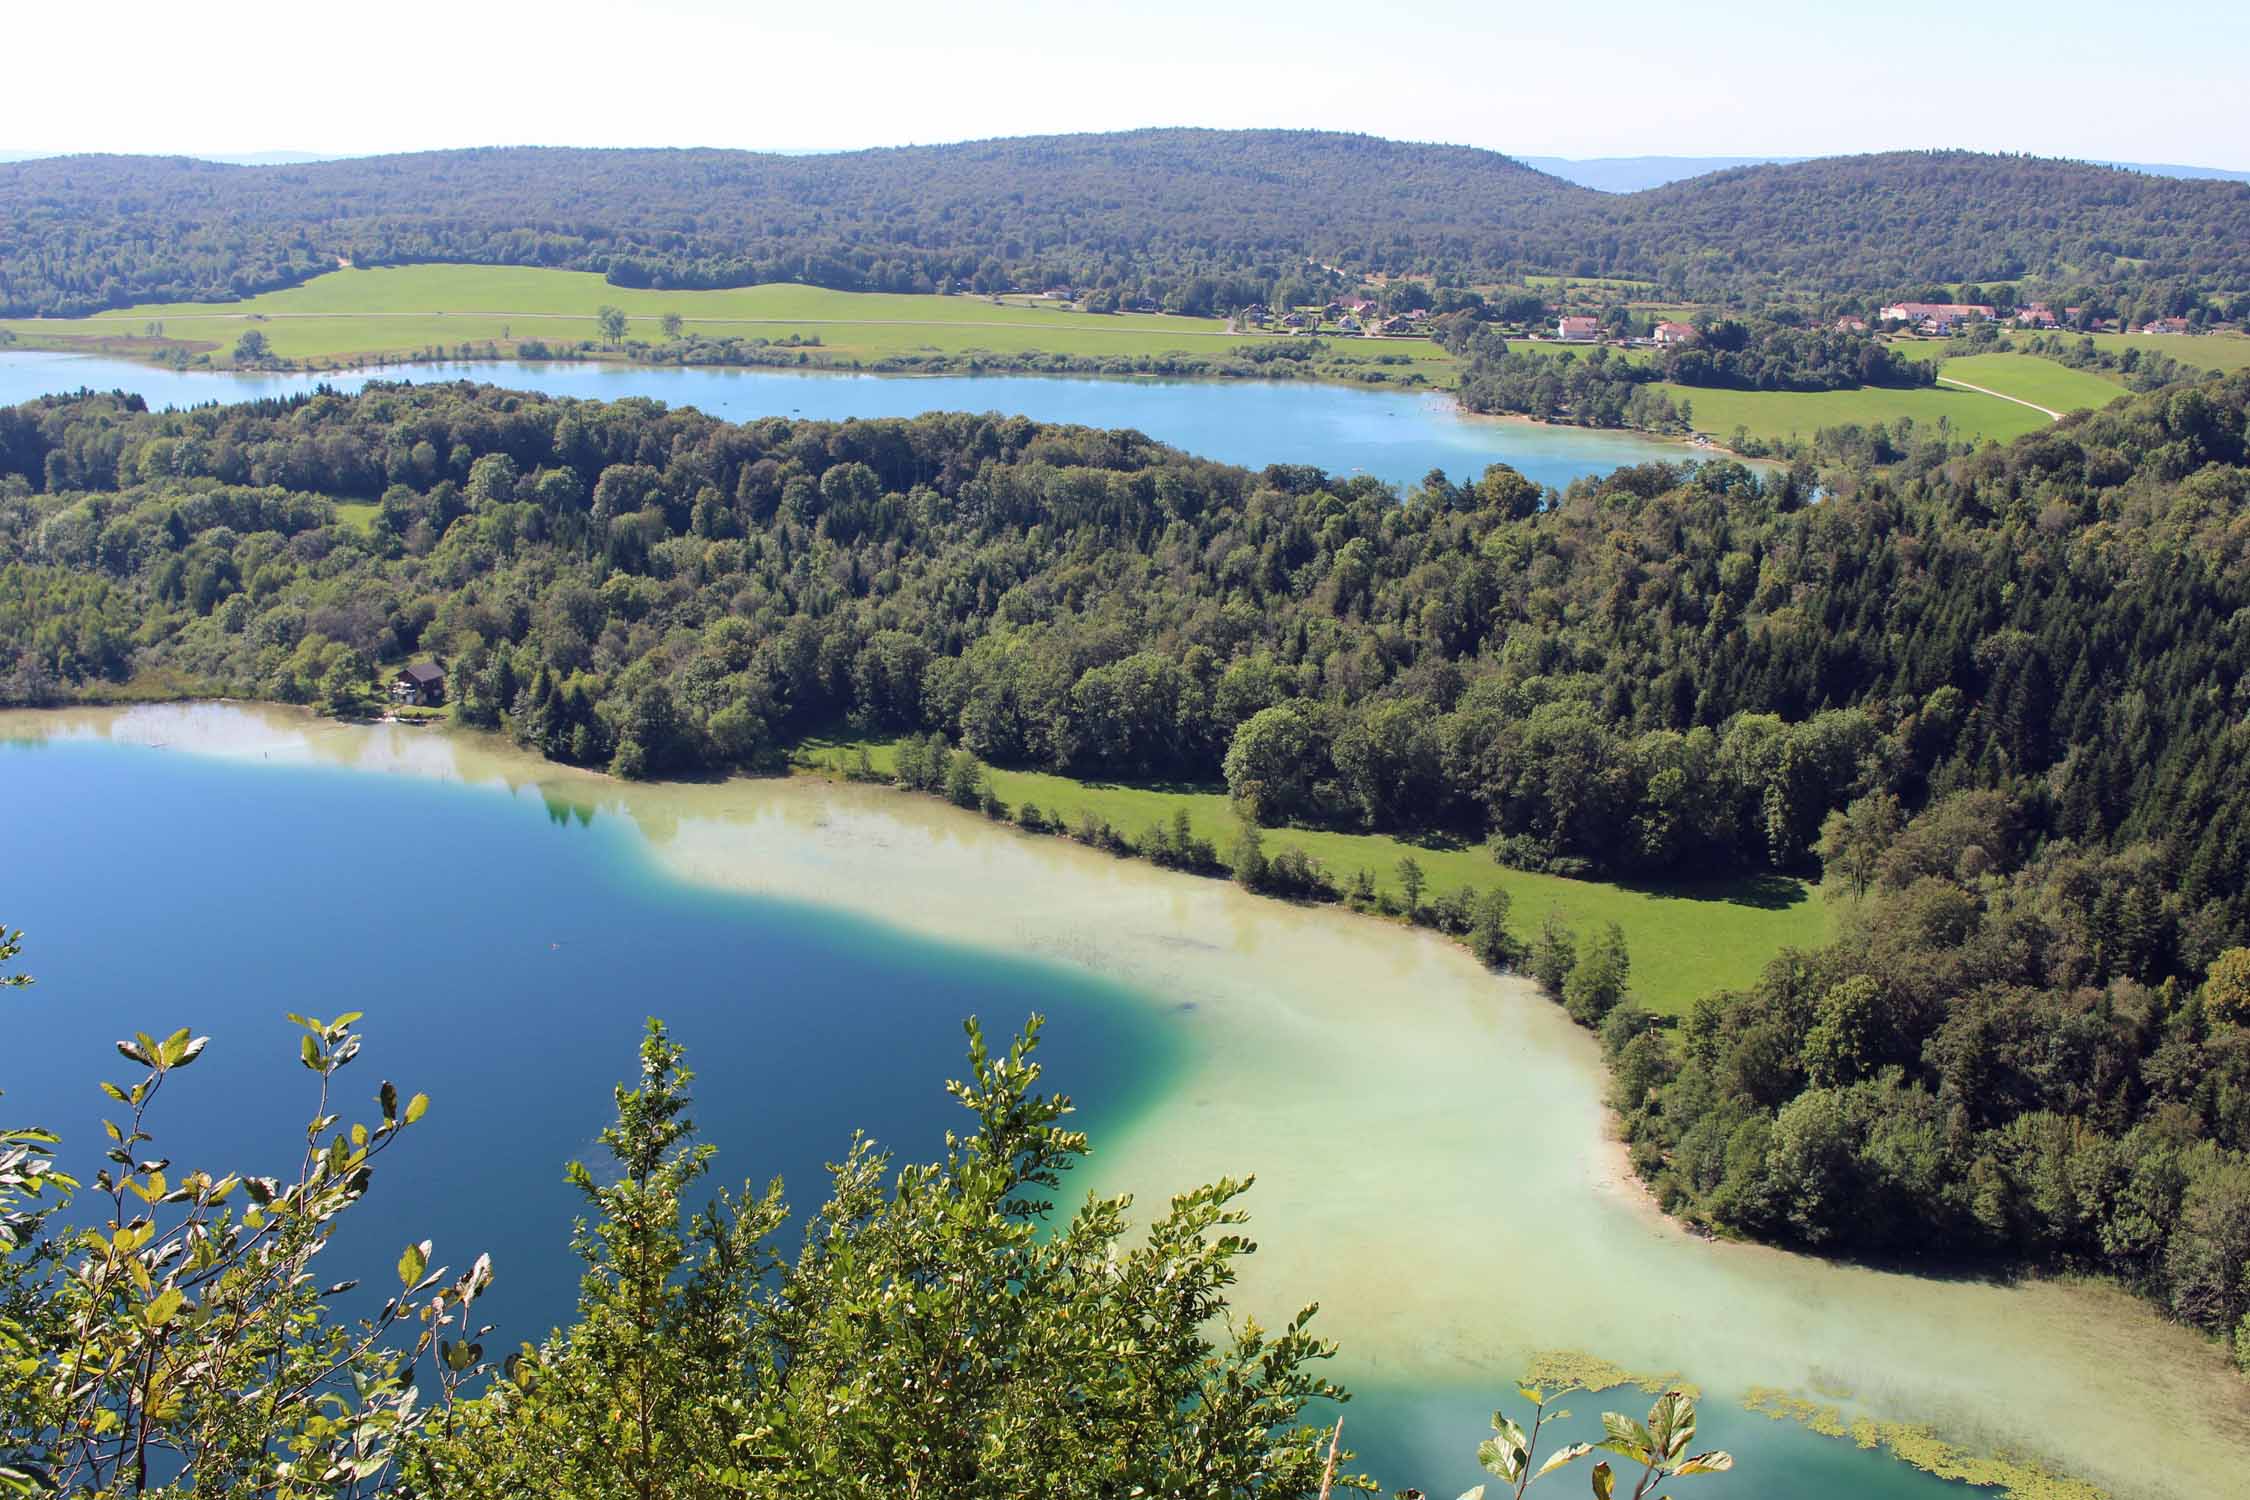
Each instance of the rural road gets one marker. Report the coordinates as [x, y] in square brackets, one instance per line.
[2052, 416]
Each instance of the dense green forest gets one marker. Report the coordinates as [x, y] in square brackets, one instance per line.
[1191, 220]
[1999, 695]
[1908, 218]
[1198, 220]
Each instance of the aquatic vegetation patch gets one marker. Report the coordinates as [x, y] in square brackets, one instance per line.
[1572, 1369]
[2015, 1476]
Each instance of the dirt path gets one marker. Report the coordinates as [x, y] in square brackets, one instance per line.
[2052, 416]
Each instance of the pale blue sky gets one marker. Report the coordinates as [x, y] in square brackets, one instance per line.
[2155, 80]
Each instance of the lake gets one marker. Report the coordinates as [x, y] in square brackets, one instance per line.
[1429, 1141]
[1397, 436]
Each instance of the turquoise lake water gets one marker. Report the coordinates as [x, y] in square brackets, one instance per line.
[1396, 436]
[506, 947]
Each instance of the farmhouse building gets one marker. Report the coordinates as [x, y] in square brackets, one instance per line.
[1850, 324]
[2165, 325]
[1674, 333]
[422, 684]
[1936, 317]
[1577, 330]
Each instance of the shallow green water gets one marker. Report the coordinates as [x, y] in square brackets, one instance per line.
[506, 941]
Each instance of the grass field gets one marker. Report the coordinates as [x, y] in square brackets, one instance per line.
[359, 515]
[2208, 351]
[1776, 415]
[368, 314]
[1685, 941]
[2039, 381]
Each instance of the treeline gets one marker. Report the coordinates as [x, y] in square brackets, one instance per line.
[1265, 359]
[1764, 355]
[1598, 389]
[1195, 221]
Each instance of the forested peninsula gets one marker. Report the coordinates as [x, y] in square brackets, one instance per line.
[1997, 699]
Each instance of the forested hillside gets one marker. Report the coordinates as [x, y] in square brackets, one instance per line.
[1197, 220]
[1146, 211]
[2001, 697]
[1911, 218]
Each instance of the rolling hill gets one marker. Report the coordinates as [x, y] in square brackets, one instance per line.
[1193, 220]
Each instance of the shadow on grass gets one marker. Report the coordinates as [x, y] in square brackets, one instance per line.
[1766, 892]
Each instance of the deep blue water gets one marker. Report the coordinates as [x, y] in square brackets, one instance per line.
[1396, 436]
[506, 949]
[506, 953]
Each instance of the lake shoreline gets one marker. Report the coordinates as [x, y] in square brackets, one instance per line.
[126, 348]
[1358, 1066]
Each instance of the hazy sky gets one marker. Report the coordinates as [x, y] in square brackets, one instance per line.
[2155, 80]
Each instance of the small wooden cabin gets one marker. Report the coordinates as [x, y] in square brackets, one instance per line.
[422, 684]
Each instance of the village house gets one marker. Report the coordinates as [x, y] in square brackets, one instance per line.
[2165, 325]
[1850, 324]
[2036, 315]
[1668, 334]
[1936, 317]
[422, 685]
[1577, 330]
[1393, 327]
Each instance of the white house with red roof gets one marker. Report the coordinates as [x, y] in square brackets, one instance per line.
[1578, 330]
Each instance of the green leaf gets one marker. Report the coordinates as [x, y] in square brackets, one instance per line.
[190, 1050]
[309, 1050]
[416, 1107]
[413, 1263]
[387, 1096]
[1628, 1438]
[1605, 1483]
[1714, 1462]
[1567, 1455]
[162, 1309]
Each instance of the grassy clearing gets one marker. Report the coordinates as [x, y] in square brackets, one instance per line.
[2209, 351]
[1685, 940]
[1777, 415]
[359, 515]
[401, 310]
[2039, 381]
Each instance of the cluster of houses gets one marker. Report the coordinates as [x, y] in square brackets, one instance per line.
[1942, 318]
[1350, 315]
[1939, 318]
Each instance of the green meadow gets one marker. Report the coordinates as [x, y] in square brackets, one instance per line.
[401, 310]
[1779, 415]
[2039, 381]
[2225, 352]
[1686, 941]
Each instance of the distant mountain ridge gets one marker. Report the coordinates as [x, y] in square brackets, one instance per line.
[1635, 174]
[1191, 220]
